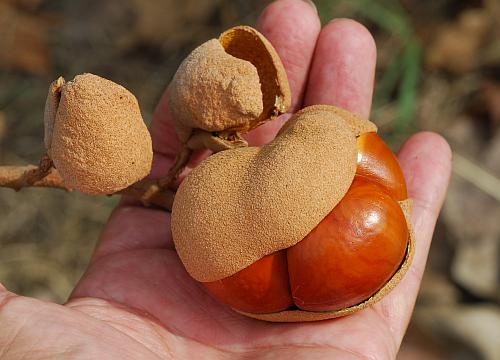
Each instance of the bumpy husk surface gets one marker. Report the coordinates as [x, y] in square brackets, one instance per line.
[214, 91]
[95, 135]
[240, 205]
[244, 42]
[233, 83]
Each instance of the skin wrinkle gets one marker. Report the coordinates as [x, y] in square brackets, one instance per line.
[132, 339]
[399, 323]
[388, 314]
[387, 345]
[293, 348]
[250, 351]
[18, 331]
[316, 339]
[135, 238]
[392, 347]
[82, 303]
[428, 202]
[5, 297]
[6, 344]
[227, 326]
[415, 273]
[291, 64]
[100, 291]
[242, 331]
[119, 327]
[79, 305]
[342, 43]
[416, 167]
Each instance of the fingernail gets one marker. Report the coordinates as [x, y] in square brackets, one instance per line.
[313, 5]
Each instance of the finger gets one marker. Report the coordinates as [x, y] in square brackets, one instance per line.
[166, 144]
[426, 162]
[294, 38]
[343, 69]
[292, 26]
[165, 140]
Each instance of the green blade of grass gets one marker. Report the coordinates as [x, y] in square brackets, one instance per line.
[408, 89]
[388, 81]
[392, 21]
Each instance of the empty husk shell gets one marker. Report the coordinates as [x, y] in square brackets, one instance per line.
[235, 83]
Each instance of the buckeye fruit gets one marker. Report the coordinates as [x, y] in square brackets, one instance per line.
[355, 249]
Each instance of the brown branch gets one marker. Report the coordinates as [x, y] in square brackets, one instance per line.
[201, 139]
[18, 177]
[149, 192]
[180, 163]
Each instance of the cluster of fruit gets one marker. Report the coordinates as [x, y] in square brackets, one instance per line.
[313, 225]
[310, 226]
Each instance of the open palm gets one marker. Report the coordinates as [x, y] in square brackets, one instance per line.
[137, 301]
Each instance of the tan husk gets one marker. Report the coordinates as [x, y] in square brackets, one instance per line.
[240, 205]
[95, 135]
[248, 44]
[51, 105]
[214, 91]
[357, 124]
[234, 83]
[301, 315]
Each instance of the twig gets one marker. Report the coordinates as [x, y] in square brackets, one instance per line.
[200, 139]
[149, 192]
[18, 177]
[180, 163]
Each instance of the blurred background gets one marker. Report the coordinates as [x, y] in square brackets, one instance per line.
[438, 69]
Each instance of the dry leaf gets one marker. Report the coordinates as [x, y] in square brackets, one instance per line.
[29, 5]
[23, 40]
[159, 21]
[456, 45]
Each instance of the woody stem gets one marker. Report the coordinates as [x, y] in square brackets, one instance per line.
[149, 192]
[18, 177]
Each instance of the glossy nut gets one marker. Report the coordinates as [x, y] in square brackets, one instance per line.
[262, 287]
[377, 163]
[240, 205]
[348, 257]
[352, 253]
[303, 201]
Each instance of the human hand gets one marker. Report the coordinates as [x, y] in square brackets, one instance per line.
[137, 301]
